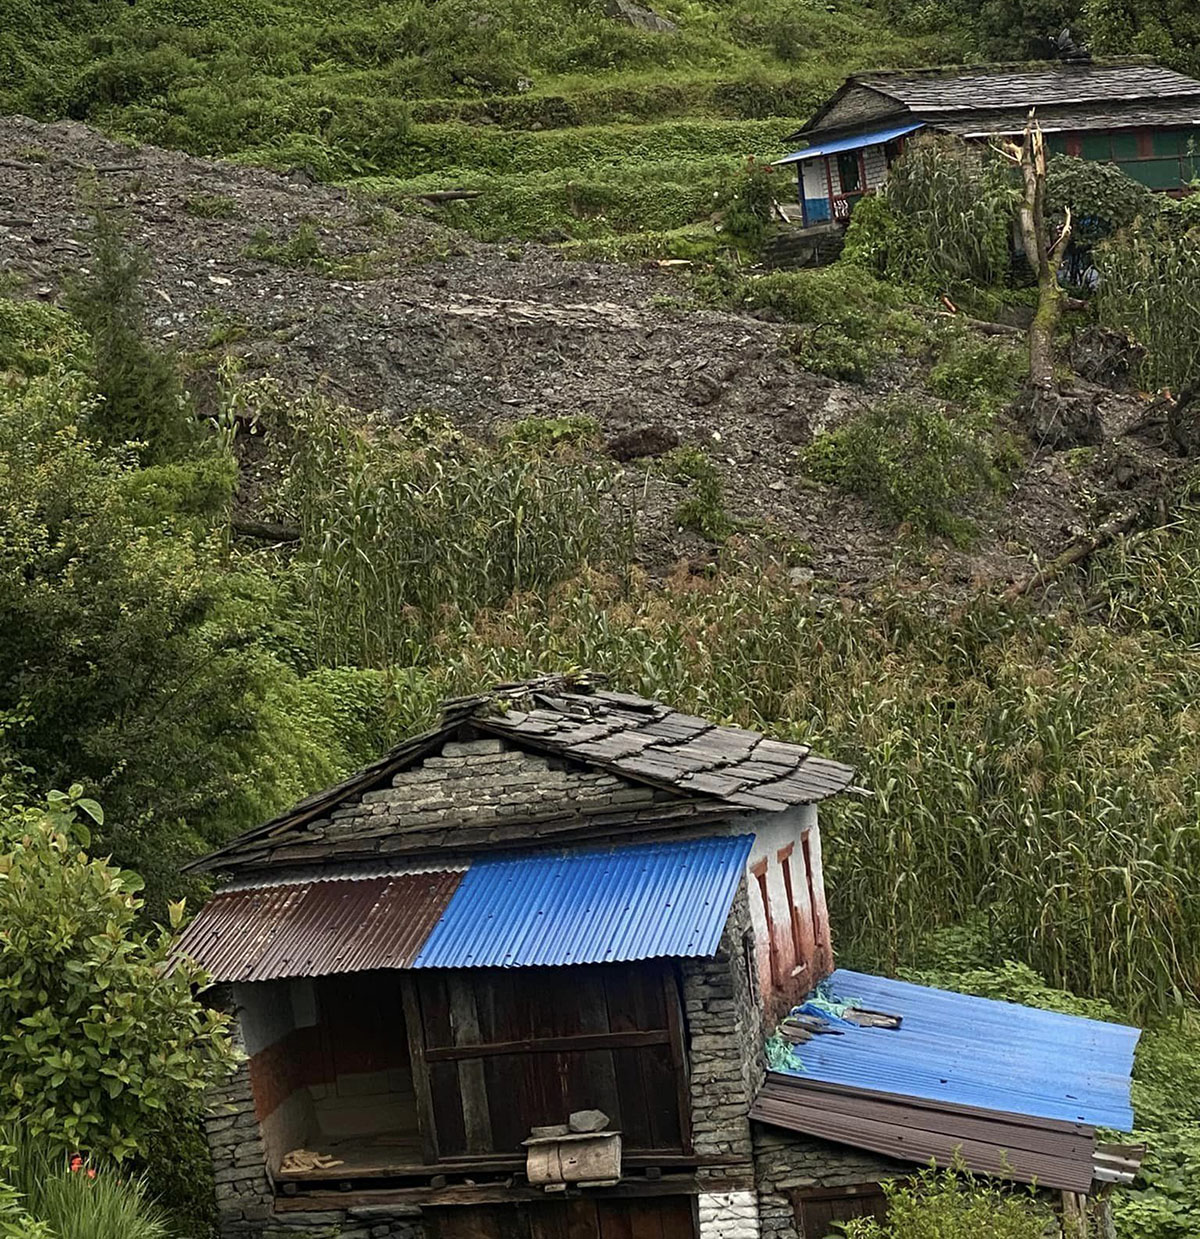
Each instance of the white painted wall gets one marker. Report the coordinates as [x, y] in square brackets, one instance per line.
[728, 1215]
[800, 958]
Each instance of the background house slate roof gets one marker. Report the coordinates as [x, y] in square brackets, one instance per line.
[707, 769]
[1022, 86]
[997, 98]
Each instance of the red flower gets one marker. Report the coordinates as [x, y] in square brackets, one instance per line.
[76, 1163]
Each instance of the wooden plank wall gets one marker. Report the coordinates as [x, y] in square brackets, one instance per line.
[507, 1050]
[669, 1217]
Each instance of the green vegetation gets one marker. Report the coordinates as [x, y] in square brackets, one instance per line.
[74, 1198]
[397, 526]
[573, 123]
[87, 1065]
[211, 206]
[918, 464]
[936, 1204]
[850, 323]
[704, 508]
[942, 222]
[1149, 287]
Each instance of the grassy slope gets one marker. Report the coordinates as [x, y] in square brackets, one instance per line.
[574, 123]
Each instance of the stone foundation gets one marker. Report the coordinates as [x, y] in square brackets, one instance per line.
[365, 1222]
[787, 1161]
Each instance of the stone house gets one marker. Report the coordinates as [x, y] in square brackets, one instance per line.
[1134, 114]
[517, 979]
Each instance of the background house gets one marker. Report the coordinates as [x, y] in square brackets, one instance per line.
[566, 900]
[1141, 117]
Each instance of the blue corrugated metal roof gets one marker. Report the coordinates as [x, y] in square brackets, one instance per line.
[855, 143]
[976, 1052]
[590, 907]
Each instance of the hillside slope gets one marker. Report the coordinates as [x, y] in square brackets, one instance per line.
[323, 290]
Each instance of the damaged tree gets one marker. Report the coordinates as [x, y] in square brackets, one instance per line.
[1048, 413]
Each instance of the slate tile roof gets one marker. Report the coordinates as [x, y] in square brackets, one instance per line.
[997, 98]
[1025, 87]
[700, 772]
[649, 741]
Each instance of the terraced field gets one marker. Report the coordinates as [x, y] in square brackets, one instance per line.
[571, 121]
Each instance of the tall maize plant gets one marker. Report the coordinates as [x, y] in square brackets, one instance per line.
[1150, 288]
[402, 527]
[1043, 772]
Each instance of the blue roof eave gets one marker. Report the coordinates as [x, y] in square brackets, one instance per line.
[853, 143]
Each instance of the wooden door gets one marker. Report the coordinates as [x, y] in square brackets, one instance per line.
[581, 1217]
[818, 1209]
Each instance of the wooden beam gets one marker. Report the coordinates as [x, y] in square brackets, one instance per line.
[478, 1194]
[420, 1070]
[678, 1057]
[549, 1045]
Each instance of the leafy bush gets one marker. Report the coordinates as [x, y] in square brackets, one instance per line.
[1102, 199]
[704, 508]
[952, 1203]
[913, 461]
[95, 1035]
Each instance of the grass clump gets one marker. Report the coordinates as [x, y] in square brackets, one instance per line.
[914, 462]
[549, 434]
[33, 335]
[704, 508]
[849, 321]
[951, 1201]
[301, 249]
[210, 206]
[70, 1198]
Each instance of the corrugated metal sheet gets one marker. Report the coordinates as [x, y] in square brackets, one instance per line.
[1059, 1155]
[590, 907]
[953, 1048]
[310, 929]
[854, 143]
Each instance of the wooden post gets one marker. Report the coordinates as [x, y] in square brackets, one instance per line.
[420, 1069]
[1074, 1211]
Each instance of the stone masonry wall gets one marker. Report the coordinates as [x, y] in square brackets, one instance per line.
[245, 1196]
[726, 1061]
[472, 789]
[786, 1161]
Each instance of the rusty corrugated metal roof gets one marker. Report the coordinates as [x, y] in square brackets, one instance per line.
[310, 929]
[1011, 1146]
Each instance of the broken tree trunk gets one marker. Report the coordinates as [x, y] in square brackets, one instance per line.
[1044, 257]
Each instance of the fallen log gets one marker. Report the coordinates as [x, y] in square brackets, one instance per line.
[1080, 548]
[264, 530]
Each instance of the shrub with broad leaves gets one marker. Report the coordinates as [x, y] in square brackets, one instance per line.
[98, 1034]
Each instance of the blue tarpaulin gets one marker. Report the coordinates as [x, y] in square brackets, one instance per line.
[590, 907]
[968, 1051]
[849, 144]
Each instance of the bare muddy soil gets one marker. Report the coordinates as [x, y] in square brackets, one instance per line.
[399, 314]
